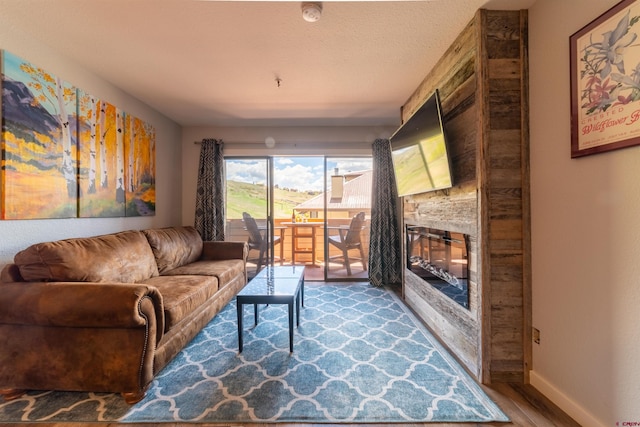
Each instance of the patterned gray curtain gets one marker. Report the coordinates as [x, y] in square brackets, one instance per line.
[385, 262]
[210, 194]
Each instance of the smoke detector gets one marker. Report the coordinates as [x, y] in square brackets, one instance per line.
[311, 12]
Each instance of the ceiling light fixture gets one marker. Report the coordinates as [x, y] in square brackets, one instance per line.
[311, 12]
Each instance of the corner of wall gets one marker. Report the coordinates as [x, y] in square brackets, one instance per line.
[568, 405]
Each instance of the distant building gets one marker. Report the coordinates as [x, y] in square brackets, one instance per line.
[349, 194]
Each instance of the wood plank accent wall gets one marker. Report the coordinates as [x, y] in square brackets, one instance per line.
[483, 83]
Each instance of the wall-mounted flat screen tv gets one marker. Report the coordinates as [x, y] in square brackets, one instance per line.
[419, 151]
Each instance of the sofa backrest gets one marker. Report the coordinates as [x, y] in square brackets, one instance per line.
[174, 246]
[120, 257]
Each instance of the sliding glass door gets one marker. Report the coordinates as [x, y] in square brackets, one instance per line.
[348, 213]
[300, 211]
[249, 207]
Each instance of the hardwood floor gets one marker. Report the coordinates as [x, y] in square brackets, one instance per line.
[523, 404]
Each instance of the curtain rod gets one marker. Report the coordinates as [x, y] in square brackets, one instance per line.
[248, 144]
[236, 142]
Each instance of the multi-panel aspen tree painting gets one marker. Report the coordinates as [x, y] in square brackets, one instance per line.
[67, 153]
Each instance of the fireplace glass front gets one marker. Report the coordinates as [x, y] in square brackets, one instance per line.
[440, 258]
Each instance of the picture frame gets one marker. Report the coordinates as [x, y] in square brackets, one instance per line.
[605, 81]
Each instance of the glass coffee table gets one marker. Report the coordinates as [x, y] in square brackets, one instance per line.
[273, 285]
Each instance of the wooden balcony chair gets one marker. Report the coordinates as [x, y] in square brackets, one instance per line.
[257, 240]
[350, 239]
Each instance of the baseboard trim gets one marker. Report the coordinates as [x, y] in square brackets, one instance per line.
[568, 405]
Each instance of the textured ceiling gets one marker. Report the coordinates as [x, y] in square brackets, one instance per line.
[205, 63]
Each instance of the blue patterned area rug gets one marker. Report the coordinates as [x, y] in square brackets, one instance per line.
[360, 356]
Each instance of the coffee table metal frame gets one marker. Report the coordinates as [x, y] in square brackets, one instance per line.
[273, 285]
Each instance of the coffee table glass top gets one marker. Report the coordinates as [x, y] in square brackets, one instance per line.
[262, 286]
[282, 271]
[275, 280]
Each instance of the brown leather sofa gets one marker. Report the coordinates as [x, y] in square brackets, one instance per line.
[107, 313]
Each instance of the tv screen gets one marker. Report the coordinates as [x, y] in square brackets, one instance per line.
[419, 151]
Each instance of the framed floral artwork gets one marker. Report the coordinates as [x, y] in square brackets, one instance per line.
[605, 82]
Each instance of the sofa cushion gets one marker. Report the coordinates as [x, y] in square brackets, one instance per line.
[181, 295]
[224, 270]
[119, 257]
[174, 246]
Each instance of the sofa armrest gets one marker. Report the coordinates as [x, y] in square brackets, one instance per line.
[224, 250]
[11, 273]
[81, 304]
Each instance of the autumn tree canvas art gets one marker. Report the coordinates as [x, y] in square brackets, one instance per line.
[101, 155]
[66, 153]
[39, 167]
[140, 172]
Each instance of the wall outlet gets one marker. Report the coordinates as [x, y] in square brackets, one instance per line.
[536, 335]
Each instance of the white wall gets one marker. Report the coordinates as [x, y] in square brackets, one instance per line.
[17, 235]
[290, 141]
[585, 243]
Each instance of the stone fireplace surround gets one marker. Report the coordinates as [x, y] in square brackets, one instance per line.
[482, 79]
